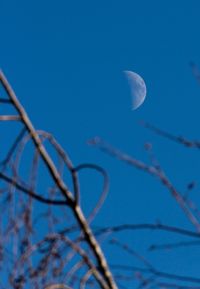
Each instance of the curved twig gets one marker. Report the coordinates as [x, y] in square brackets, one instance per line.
[31, 193]
[104, 190]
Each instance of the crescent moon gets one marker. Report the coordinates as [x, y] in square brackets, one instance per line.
[138, 88]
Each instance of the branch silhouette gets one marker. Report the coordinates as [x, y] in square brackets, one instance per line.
[104, 275]
[48, 242]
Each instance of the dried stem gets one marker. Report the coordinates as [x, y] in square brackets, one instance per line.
[69, 197]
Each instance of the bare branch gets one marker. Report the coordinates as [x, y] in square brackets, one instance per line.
[30, 192]
[177, 139]
[9, 117]
[152, 171]
[57, 286]
[70, 199]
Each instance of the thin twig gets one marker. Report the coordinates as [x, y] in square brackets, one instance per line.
[98, 142]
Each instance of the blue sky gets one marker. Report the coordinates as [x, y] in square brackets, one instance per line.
[65, 60]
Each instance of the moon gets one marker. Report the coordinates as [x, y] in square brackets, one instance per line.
[138, 88]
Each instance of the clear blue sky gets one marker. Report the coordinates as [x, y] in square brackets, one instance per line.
[65, 60]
